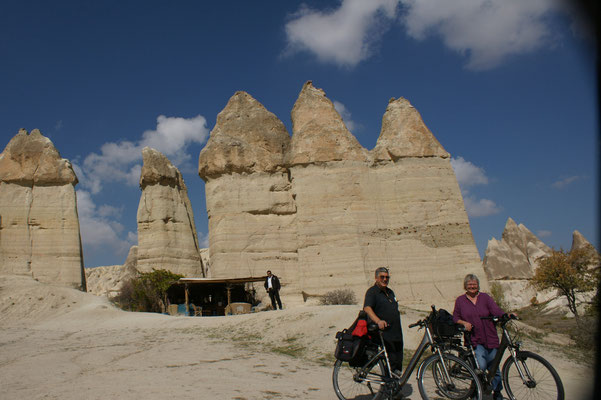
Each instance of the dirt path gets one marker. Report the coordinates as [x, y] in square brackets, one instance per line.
[80, 347]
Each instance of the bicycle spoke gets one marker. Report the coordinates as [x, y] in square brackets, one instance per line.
[353, 383]
[540, 381]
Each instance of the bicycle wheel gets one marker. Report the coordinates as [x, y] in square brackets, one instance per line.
[541, 380]
[460, 383]
[358, 383]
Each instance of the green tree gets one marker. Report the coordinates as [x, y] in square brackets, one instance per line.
[570, 272]
[147, 291]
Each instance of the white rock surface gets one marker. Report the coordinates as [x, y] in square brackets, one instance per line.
[107, 281]
[514, 256]
[332, 212]
[512, 261]
[167, 236]
[39, 225]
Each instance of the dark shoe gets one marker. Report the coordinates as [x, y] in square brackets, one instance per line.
[497, 395]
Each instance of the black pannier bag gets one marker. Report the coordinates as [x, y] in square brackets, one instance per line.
[351, 348]
[443, 325]
[348, 346]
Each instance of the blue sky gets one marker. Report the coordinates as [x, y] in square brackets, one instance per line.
[508, 88]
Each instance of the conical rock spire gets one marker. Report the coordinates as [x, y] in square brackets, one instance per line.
[246, 138]
[318, 132]
[404, 134]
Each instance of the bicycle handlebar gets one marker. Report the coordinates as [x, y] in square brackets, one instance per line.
[503, 318]
[423, 322]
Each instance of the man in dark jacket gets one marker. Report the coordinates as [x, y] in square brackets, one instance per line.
[382, 308]
[272, 285]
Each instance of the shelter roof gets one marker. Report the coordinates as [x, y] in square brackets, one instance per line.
[201, 281]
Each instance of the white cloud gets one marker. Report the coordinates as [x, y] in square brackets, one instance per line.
[120, 161]
[203, 240]
[99, 233]
[486, 31]
[543, 233]
[563, 182]
[343, 36]
[468, 175]
[346, 116]
[480, 207]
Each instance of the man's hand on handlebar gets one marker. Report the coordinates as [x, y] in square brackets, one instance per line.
[382, 324]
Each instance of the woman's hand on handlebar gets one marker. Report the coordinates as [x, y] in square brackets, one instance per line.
[468, 326]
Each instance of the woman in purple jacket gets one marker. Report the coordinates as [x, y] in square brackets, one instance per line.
[469, 307]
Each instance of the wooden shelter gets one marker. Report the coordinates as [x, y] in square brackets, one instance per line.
[211, 296]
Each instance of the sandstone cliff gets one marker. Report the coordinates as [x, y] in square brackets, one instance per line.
[167, 236]
[330, 212]
[39, 226]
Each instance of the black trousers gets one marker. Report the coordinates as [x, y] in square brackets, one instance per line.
[274, 295]
[395, 353]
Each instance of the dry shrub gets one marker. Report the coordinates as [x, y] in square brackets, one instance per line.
[338, 296]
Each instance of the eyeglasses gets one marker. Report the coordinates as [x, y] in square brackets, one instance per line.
[384, 277]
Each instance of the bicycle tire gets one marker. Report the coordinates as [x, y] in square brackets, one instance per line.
[432, 385]
[546, 382]
[349, 385]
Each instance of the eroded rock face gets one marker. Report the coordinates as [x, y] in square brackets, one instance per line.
[511, 262]
[404, 134]
[329, 215]
[579, 241]
[515, 255]
[167, 236]
[247, 138]
[319, 134]
[39, 226]
[108, 281]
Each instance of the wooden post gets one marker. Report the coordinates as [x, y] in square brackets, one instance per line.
[187, 299]
[229, 294]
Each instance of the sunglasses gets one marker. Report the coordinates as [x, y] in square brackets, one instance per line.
[384, 277]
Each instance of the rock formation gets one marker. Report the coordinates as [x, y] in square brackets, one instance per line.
[512, 261]
[107, 281]
[322, 212]
[39, 226]
[579, 241]
[167, 236]
[514, 256]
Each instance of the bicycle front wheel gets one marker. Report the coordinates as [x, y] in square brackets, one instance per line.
[454, 380]
[540, 381]
[358, 383]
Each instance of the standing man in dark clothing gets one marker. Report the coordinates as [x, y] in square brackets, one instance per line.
[382, 308]
[272, 285]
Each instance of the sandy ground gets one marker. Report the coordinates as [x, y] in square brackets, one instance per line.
[58, 343]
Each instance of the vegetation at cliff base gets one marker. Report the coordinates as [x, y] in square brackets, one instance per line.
[147, 291]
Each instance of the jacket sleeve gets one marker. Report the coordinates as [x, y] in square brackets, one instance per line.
[457, 311]
[493, 308]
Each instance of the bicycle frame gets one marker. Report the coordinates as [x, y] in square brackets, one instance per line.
[426, 342]
[506, 343]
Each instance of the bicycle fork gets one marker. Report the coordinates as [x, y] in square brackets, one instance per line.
[522, 369]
